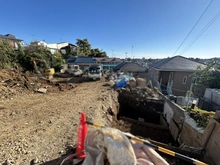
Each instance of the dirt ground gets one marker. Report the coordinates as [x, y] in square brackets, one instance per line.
[39, 117]
[38, 128]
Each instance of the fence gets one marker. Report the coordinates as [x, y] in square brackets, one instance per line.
[208, 105]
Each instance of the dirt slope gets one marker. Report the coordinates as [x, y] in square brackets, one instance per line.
[37, 128]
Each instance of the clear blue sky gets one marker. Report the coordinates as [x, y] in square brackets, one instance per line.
[154, 28]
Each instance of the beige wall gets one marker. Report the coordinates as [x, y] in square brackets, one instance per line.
[180, 89]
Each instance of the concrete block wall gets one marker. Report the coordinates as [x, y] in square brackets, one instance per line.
[211, 140]
[191, 135]
[172, 110]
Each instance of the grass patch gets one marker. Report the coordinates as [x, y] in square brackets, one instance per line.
[201, 117]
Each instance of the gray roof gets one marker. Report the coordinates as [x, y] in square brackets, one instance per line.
[10, 37]
[71, 60]
[177, 63]
[87, 60]
[130, 67]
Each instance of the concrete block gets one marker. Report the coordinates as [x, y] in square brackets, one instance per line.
[217, 115]
[42, 90]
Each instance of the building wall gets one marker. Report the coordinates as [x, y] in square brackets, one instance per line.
[163, 79]
[63, 44]
[142, 74]
[109, 65]
[179, 88]
[153, 75]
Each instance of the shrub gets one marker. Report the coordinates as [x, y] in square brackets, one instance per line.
[201, 117]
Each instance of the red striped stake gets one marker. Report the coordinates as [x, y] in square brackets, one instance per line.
[82, 131]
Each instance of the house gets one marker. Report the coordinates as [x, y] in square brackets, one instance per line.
[66, 48]
[108, 63]
[52, 47]
[141, 62]
[132, 69]
[173, 76]
[83, 62]
[14, 41]
[58, 47]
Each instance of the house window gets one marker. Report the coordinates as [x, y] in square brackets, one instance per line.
[184, 79]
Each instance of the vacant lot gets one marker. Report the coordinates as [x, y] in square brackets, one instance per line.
[38, 128]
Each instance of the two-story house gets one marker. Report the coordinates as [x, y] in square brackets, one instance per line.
[173, 75]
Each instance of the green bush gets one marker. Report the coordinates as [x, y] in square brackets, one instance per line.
[201, 117]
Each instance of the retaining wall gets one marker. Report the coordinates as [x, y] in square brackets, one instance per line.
[184, 129]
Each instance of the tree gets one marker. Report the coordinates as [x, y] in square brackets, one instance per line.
[39, 51]
[97, 53]
[57, 61]
[8, 53]
[210, 75]
[83, 47]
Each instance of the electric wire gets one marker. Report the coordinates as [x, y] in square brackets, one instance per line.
[193, 27]
[200, 33]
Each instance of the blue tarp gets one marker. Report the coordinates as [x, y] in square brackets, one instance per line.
[121, 84]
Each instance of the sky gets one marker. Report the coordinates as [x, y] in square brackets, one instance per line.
[121, 28]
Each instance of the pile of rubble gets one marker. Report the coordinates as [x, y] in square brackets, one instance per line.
[134, 85]
[14, 83]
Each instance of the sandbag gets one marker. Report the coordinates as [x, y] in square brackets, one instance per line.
[108, 146]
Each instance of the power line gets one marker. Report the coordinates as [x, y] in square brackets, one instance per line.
[193, 27]
[200, 33]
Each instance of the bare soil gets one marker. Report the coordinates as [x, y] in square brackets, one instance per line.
[39, 128]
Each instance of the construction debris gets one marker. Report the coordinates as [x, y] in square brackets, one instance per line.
[14, 83]
[42, 90]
